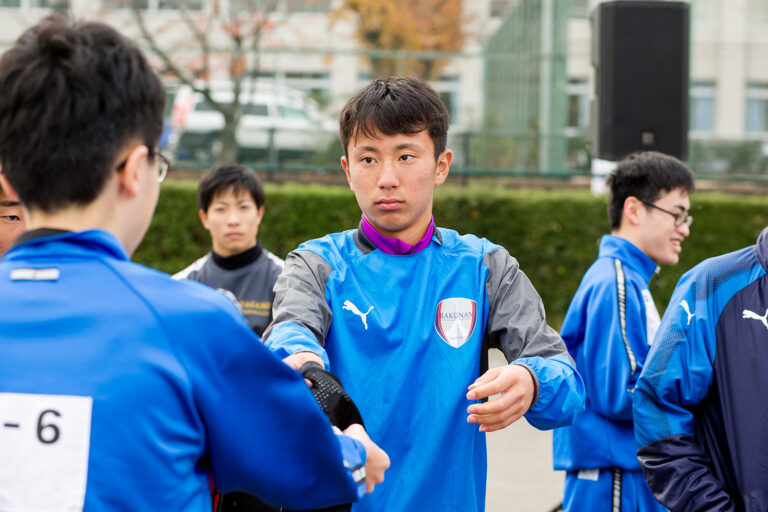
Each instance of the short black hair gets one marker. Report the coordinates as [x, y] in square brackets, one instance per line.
[645, 175]
[223, 177]
[74, 94]
[393, 106]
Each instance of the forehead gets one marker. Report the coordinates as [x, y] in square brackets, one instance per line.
[378, 141]
[230, 195]
[675, 197]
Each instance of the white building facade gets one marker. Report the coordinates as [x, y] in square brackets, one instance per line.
[308, 46]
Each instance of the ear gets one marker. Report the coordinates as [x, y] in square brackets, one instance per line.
[259, 214]
[345, 166]
[634, 211]
[203, 218]
[129, 178]
[7, 189]
[443, 166]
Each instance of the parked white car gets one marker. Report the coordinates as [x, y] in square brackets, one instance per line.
[283, 119]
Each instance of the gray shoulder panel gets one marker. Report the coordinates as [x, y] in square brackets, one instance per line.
[188, 273]
[300, 294]
[516, 321]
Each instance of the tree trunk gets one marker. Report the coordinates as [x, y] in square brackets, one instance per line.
[224, 149]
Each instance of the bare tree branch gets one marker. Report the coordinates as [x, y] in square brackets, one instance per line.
[177, 71]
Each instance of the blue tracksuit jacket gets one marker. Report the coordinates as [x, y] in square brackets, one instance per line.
[607, 329]
[122, 389]
[701, 412]
[407, 334]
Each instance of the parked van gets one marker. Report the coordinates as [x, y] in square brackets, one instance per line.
[276, 118]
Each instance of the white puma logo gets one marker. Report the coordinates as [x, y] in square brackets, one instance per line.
[363, 316]
[751, 314]
[684, 305]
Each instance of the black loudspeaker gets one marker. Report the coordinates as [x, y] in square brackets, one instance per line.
[640, 55]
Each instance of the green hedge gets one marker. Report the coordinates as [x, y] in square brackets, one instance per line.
[554, 234]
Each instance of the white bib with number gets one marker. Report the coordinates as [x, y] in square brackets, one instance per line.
[44, 446]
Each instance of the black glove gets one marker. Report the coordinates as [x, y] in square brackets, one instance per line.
[330, 394]
[335, 403]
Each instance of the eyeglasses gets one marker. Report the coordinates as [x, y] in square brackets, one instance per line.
[163, 164]
[680, 218]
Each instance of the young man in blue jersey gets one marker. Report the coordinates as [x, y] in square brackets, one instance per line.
[609, 327]
[231, 201]
[404, 313]
[700, 405]
[120, 388]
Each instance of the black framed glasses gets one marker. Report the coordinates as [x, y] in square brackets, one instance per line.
[680, 218]
[163, 164]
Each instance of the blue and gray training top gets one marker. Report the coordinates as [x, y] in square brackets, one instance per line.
[407, 334]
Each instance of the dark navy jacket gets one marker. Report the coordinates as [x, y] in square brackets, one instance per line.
[701, 410]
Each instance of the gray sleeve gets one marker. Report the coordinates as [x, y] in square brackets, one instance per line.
[516, 321]
[300, 294]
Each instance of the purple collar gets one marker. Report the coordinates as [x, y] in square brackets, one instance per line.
[395, 245]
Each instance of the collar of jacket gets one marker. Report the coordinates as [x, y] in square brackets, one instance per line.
[612, 246]
[366, 246]
[91, 240]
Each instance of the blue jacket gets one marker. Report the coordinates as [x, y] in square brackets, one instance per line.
[607, 329]
[407, 334]
[121, 389]
[701, 411]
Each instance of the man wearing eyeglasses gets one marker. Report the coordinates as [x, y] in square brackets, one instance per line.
[120, 388]
[610, 326]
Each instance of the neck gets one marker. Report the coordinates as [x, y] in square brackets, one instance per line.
[99, 214]
[69, 219]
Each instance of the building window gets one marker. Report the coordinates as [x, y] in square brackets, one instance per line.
[705, 10]
[757, 12]
[194, 5]
[702, 97]
[316, 84]
[578, 103]
[499, 8]
[49, 4]
[757, 108]
[308, 5]
[125, 4]
[58, 5]
[579, 8]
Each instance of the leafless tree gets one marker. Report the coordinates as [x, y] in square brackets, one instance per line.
[223, 35]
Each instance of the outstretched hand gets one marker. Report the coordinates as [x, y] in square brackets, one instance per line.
[515, 383]
[376, 459]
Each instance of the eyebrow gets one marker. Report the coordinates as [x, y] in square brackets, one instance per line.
[372, 149]
[9, 203]
[404, 145]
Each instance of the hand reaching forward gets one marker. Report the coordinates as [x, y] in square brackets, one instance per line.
[298, 359]
[376, 459]
[515, 383]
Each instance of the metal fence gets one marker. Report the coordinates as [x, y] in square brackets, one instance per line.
[509, 104]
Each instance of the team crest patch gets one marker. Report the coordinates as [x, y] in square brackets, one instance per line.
[455, 320]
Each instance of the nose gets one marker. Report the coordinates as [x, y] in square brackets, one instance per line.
[388, 176]
[684, 229]
[233, 217]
